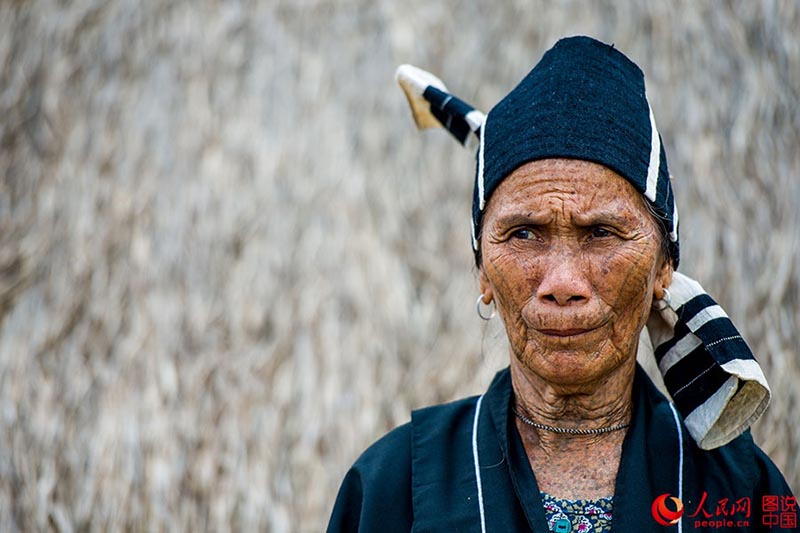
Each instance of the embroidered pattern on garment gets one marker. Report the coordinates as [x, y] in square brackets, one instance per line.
[583, 515]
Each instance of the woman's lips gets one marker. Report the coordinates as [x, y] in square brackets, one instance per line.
[571, 332]
[562, 325]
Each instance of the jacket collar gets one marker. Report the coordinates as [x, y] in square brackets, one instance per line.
[651, 462]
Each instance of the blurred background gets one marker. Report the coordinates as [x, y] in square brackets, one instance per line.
[229, 262]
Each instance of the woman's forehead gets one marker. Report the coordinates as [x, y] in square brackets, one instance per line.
[582, 184]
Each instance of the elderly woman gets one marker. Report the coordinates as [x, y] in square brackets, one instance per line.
[575, 238]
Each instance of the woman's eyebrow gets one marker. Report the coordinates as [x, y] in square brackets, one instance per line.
[520, 219]
[602, 217]
[591, 218]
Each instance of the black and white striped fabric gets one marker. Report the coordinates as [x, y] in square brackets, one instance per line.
[433, 106]
[708, 369]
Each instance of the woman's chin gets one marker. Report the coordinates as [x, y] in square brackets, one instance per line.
[567, 366]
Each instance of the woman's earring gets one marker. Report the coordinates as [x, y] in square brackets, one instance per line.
[664, 302]
[478, 307]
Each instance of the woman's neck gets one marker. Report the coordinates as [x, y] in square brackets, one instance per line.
[566, 465]
[601, 404]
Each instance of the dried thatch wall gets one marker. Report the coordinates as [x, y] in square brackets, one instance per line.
[228, 262]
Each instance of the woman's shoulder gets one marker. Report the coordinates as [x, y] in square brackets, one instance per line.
[743, 463]
[444, 418]
[737, 466]
[377, 489]
[394, 449]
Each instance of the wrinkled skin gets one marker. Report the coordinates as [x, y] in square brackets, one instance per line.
[573, 260]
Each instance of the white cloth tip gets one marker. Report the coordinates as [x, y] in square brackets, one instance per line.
[416, 79]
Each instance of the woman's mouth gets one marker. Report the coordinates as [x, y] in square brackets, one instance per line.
[569, 332]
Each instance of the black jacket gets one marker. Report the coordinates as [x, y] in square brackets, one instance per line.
[424, 475]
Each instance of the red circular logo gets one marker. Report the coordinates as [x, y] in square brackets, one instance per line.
[663, 514]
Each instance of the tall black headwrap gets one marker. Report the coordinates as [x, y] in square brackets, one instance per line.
[586, 100]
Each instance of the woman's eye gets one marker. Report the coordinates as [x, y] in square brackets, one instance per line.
[600, 232]
[524, 234]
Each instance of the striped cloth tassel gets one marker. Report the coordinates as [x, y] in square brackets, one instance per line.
[708, 369]
[432, 106]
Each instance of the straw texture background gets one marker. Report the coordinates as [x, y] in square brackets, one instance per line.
[228, 262]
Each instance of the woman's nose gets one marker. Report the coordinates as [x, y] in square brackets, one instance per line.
[564, 282]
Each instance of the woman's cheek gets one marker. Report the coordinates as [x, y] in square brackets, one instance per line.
[510, 273]
[626, 286]
[513, 278]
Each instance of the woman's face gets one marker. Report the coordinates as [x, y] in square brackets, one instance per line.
[572, 259]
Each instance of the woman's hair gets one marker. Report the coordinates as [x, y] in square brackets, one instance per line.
[663, 232]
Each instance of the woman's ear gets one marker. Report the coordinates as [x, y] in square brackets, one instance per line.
[485, 286]
[663, 279]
